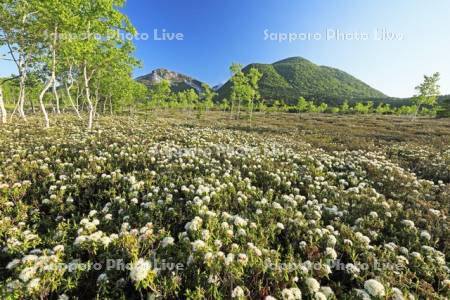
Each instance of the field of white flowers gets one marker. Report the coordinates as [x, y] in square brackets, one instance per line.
[153, 210]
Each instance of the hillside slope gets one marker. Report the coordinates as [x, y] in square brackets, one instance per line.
[293, 77]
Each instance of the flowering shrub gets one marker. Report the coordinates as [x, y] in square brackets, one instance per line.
[168, 211]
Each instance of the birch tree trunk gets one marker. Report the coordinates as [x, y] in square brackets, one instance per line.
[55, 94]
[50, 81]
[23, 77]
[69, 95]
[41, 102]
[88, 97]
[75, 108]
[2, 107]
[77, 99]
[110, 105]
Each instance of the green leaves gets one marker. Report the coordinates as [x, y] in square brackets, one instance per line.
[428, 90]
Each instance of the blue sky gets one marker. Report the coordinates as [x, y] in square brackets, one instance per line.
[217, 33]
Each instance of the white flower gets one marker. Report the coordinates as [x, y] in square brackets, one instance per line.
[12, 264]
[331, 253]
[208, 256]
[270, 298]
[320, 296]
[327, 291]
[408, 223]
[374, 288]
[213, 279]
[238, 221]
[168, 240]
[280, 226]
[426, 235]
[291, 294]
[362, 238]
[27, 274]
[435, 212]
[362, 294]
[242, 258]
[287, 294]
[33, 285]
[312, 284]
[58, 248]
[276, 205]
[446, 283]
[373, 214]
[297, 293]
[229, 259]
[140, 270]
[194, 225]
[331, 241]
[237, 292]
[105, 240]
[198, 245]
[397, 294]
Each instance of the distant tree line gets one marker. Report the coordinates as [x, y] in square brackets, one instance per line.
[245, 97]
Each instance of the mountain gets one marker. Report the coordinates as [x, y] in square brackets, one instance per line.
[290, 78]
[217, 87]
[178, 81]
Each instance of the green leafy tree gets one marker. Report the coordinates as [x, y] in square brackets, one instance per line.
[253, 76]
[363, 108]
[18, 33]
[160, 93]
[322, 108]
[192, 99]
[241, 90]
[207, 95]
[334, 110]
[345, 107]
[406, 110]
[312, 107]
[302, 105]
[224, 105]
[383, 109]
[427, 92]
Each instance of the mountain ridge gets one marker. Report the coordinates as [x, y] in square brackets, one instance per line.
[292, 77]
[286, 79]
[178, 81]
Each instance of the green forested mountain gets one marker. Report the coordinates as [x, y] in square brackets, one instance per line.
[293, 77]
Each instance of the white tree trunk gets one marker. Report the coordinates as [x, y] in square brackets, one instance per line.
[23, 77]
[71, 101]
[50, 82]
[110, 105]
[88, 97]
[69, 95]
[55, 94]
[2, 107]
[41, 101]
